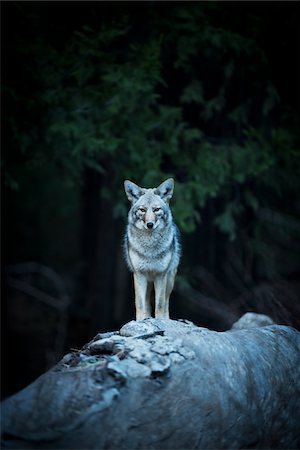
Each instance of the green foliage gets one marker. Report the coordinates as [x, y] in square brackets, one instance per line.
[102, 100]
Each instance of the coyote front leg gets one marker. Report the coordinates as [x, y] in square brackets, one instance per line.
[161, 297]
[142, 297]
[163, 288]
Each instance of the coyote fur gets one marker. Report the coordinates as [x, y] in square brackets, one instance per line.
[152, 247]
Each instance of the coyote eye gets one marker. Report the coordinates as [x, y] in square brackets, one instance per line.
[142, 210]
[156, 209]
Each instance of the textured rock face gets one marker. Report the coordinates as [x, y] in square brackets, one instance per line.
[159, 384]
[252, 320]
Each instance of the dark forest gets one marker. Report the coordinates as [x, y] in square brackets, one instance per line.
[94, 93]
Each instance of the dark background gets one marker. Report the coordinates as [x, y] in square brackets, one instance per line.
[97, 92]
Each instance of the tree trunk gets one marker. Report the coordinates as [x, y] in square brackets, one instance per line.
[164, 384]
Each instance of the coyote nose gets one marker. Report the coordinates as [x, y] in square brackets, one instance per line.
[150, 225]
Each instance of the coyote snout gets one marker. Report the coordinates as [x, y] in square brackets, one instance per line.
[152, 247]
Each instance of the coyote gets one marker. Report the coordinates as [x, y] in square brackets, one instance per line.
[152, 247]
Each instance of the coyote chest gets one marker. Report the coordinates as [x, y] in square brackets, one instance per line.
[152, 247]
[151, 252]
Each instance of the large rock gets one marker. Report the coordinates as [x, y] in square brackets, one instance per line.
[163, 384]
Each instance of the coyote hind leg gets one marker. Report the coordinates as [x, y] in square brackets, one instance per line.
[170, 282]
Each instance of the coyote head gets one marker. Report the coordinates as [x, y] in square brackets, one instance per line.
[150, 209]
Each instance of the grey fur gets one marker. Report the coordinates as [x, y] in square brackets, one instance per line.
[151, 253]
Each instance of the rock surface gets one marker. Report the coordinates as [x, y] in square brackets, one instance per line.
[164, 384]
[252, 320]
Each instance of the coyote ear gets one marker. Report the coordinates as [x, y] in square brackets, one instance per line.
[165, 189]
[133, 191]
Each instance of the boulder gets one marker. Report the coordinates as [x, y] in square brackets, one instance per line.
[165, 384]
